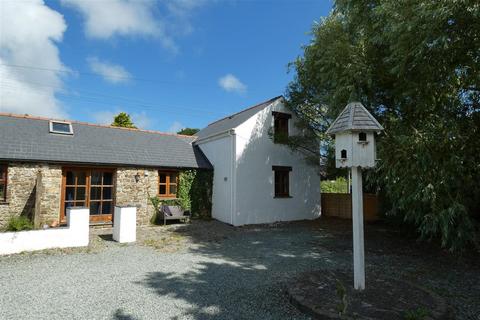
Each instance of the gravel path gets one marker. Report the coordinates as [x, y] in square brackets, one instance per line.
[204, 270]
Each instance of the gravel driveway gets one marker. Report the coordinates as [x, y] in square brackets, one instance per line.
[207, 270]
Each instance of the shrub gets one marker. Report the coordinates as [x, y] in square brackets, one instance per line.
[19, 223]
[339, 185]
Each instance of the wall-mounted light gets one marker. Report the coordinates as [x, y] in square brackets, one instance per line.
[137, 177]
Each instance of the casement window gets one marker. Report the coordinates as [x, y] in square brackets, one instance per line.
[282, 181]
[3, 183]
[280, 126]
[167, 184]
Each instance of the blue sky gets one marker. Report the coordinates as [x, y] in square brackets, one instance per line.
[170, 64]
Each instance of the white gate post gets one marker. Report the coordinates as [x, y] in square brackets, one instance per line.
[357, 222]
[125, 224]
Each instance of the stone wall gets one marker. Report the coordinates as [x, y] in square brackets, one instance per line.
[34, 190]
[130, 192]
[22, 192]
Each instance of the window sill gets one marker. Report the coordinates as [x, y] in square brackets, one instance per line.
[282, 197]
[4, 203]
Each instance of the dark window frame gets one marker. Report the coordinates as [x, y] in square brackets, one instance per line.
[281, 185]
[280, 126]
[168, 184]
[4, 182]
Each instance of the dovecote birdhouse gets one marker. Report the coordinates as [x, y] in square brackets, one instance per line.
[354, 131]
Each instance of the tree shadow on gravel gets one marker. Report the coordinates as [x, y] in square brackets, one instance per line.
[121, 315]
[241, 272]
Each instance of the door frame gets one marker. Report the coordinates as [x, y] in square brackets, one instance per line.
[102, 218]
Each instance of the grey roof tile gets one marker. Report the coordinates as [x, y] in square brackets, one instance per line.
[233, 120]
[28, 138]
[354, 118]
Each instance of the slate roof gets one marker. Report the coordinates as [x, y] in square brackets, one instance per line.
[24, 138]
[354, 118]
[233, 120]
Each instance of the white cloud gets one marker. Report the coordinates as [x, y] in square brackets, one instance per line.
[140, 120]
[30, 66]
[230, 83]
[175, 127]
[104, 19]
[110, 72]
[163, 20]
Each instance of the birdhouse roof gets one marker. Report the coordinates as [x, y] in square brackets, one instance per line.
[354, 118]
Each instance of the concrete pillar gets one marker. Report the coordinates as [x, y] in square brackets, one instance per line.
[125, 224]
[357, 222]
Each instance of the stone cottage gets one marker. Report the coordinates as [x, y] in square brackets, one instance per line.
[47, 166]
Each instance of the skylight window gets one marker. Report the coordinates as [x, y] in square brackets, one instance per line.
[61, 127]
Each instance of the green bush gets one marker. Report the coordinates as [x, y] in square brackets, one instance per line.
[339, 185]
[194, 194]
[19, 224]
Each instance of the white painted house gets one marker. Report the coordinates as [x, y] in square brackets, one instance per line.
[255, 179]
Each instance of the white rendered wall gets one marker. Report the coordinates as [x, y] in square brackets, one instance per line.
[255, 155]
[219, 152]
[125, 224]
[75, 235]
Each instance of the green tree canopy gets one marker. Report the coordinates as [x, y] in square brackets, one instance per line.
[188, 131]
[123, 120]
[416, 66]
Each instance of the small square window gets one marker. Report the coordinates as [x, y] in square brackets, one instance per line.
[167, 184]
[61, 127]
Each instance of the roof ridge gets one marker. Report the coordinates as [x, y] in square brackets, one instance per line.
[249, 108]
[27, 116]
[351, 108]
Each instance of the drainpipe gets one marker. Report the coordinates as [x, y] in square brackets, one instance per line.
[233, 175]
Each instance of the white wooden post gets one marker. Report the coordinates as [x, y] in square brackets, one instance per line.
[357, 221]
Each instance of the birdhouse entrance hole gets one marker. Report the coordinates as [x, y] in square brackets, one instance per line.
[362, 136]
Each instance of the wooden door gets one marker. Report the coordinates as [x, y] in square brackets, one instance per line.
[92, 188]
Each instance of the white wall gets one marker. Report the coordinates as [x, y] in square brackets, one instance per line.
[255, 155]
[75, 235]
[219, 151]
[125, 224]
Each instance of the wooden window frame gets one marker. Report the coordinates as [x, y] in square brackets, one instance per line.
[168, 183]
[4, 182]
[281, 173]
[88, 170]
[280, 126]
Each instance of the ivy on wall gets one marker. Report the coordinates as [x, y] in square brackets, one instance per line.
[195, 192]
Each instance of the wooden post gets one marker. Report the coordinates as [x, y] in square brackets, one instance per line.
[357, 221]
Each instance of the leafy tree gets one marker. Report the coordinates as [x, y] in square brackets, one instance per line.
[416, 66]
[188, 131]
[123, 120]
